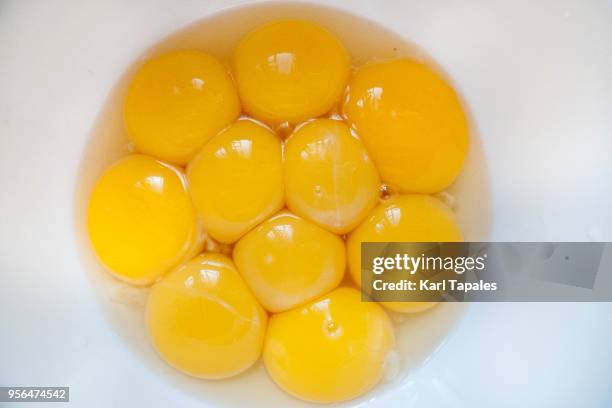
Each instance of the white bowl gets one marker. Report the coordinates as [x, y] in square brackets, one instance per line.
[536, 78]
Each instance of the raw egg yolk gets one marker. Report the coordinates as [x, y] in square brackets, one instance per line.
[236, 180]
[329, 177]
[290, 71]
[288, 261]
[404, 218]
[204, 321]
[141, 221]
[177, 102]
[411, 122]
[330, 350]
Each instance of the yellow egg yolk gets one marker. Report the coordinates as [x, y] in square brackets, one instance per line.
[404, 218]
[204, 321]
[292, 213]
[178, 101]
[141, 221]
[290, 70]
[236, 180]
[288, 261]
[331, 350]
[411, 122]
[329, 177]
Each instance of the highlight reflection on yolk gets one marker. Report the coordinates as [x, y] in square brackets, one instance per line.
[288, 261]
[405, 218]
[236, 180]
[141, 221]
[204, 321]
[290, 70]
[178, 101]
[411, 122]
[329, 177]
[333, 349]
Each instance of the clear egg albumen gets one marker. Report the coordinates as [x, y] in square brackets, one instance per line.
[417, 336]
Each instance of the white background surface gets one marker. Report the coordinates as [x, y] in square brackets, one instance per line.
[538, 78]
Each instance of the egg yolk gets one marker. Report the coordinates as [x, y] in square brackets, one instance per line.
[204, 321]
[288, 261]
[178, 101]
[330, 350]
[236, 180]
[329, 177]
[404, 218]
[411, 122]
[141, 221]
[292, 213]
[290, 70]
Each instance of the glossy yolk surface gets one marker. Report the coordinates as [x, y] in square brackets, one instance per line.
[204, 321]
[178, 101]
[236, 180]
[141, 221]
[288, 261]
[404, 218]
[330, 350]
[290, 70]
[411, 122]
[329, 177]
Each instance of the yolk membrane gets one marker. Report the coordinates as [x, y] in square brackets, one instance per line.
[404, 218]
[411, 122]
[329, 177]
[290, 71]
[178, 101]
[288, 261]
[236, 180]
[204, 321]
[141, 221]
[332, 349]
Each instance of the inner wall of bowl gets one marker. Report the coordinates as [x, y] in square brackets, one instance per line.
[418, 336]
